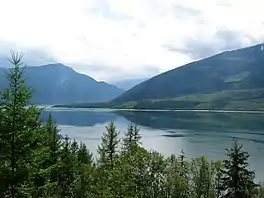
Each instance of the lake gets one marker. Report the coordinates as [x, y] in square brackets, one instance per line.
[197, 133]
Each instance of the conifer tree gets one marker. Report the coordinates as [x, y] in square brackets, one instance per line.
[237, 181]
[45, 167]
[18, 132]
[106, 162]
[83, 155]
[108, 149]
[66, 175]
[132, 137]
[83, 182]
[53, 155]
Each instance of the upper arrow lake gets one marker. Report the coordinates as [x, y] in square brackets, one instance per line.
[196, 133]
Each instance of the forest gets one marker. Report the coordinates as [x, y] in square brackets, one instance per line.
[36, 162]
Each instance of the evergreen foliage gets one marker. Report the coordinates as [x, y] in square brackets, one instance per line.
[237, 180]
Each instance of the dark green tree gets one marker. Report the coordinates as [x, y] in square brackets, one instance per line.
[108, 149]
[54, 149]
[74, 148]
[45, 166]
[237, 181]
[107, 160]
[67, 168]
[18, 130]
[83, 184]
[51, 152]
[132, 137]
[84, 156]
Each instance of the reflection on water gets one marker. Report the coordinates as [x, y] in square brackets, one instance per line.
[168, 132]
[79, 118]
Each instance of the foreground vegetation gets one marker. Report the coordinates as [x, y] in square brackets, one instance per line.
[35, 162]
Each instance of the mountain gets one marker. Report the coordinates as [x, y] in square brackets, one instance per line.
[232, 75]
[59, 84]
[129, 83]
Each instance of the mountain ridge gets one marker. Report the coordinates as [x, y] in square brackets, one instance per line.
[206, 76]
[230, 80]
[57, 83]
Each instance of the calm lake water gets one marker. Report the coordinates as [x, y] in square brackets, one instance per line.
[197, 133]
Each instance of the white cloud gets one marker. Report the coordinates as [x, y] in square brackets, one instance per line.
[115, 39]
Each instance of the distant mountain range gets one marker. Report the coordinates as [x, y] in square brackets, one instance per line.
[60, 84]
[229, 80]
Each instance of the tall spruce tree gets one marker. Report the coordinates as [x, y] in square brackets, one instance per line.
[66, 175]
[108, 149]
[45, 164]
[18, 130]
[132, 137]
[83, 182]
[52, 152]
[107, 158]
[237, 181]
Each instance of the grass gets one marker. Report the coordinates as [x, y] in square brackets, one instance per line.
[238, 77]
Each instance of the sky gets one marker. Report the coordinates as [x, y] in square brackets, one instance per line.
[112, 40]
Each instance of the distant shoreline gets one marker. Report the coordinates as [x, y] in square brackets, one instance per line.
[158, 110]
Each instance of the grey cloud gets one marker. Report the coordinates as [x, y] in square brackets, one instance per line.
[223, 40]
[32, 56]
[35, 57]
[114, 72]
[100, 67]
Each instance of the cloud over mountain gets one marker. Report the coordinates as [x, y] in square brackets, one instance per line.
[117, 39]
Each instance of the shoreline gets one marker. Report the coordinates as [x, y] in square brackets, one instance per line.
[158, 110]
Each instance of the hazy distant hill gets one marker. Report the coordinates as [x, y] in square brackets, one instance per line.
[59, 84]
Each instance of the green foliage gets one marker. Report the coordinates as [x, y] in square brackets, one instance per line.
[132, 138]
[35, 162]
[108, 149]
[19, 126]
[237, 180]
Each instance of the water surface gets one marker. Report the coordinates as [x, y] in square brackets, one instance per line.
[197, 133]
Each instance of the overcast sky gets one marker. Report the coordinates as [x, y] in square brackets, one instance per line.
[115, 39]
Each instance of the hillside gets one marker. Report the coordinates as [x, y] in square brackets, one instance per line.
[59, 84]
[240, 69]
[232, 80]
